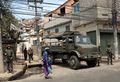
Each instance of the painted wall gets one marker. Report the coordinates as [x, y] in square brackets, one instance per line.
[68, 9]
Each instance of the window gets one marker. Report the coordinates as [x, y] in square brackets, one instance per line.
[56, 30]
[50, 17]
[62, 11]
[68, 28]
[76, 8]
[82, 39]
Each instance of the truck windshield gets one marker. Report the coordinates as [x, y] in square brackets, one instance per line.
[82, 40]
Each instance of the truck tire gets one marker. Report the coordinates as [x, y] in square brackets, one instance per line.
[92, 63]
[74, 62]
[64, 61]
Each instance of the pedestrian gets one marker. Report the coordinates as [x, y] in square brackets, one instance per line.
[30, 54]
[9, 58]
[46, 64]
[25, 53]
[109, 54]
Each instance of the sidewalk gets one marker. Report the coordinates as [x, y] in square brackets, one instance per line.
[36, 61]
[20, 68]
[104, 59]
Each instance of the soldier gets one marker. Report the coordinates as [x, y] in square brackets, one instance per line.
[109, 54]
[9, 58]
[30, 54]
[25, 53]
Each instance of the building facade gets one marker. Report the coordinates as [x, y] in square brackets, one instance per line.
[90, 17]
[95, 21]
[56, 20]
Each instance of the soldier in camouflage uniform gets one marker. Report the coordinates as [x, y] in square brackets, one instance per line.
[9, 58]
[30, 54]
[109, 54]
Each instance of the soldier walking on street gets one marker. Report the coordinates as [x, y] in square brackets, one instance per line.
[109, 55]
[25, 53]
[9, 58]
[30, 54]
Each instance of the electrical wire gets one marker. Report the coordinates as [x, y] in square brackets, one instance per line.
[59, 5]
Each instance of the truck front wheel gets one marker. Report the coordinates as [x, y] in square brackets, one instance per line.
[74, 62]
[92, 63]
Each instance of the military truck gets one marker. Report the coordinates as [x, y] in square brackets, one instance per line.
[72, 47]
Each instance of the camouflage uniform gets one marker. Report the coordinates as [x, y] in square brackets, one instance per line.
[9, 59]
[30, 54]
[109, 54]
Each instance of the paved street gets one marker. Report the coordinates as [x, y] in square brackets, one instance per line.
[104, 73]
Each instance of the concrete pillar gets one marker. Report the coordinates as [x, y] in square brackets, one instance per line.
[97, 36]
[115, 43]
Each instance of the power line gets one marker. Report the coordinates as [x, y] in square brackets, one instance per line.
[69, 5]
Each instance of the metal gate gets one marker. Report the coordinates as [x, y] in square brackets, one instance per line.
[105, 39]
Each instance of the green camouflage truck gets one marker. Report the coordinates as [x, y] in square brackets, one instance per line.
[72, 47]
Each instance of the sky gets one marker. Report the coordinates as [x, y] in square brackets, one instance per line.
[20, 7]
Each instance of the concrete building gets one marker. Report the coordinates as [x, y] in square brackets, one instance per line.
[90, 17]
[95, 21]
[28, 35]
[55, 21]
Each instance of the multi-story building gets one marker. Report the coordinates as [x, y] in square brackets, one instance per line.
[90, 17]
[95, 21]
[56, 20]
[28, 35]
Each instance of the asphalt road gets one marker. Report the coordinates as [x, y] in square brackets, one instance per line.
[62, 73]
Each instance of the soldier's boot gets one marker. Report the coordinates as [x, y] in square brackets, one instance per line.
[8, 70]
[29, 60]
[108, 61]
[98, 63]
[111, 62]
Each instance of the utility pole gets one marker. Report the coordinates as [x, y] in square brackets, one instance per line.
[1, 52]
[37, 29]
[114, 25]
[36, 25]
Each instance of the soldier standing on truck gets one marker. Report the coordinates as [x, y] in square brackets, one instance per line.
[109, 54]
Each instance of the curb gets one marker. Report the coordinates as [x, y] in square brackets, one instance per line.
[15, 76]
[19, 74]
[34, 65]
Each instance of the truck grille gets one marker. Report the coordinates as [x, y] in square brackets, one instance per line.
[89, 50]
